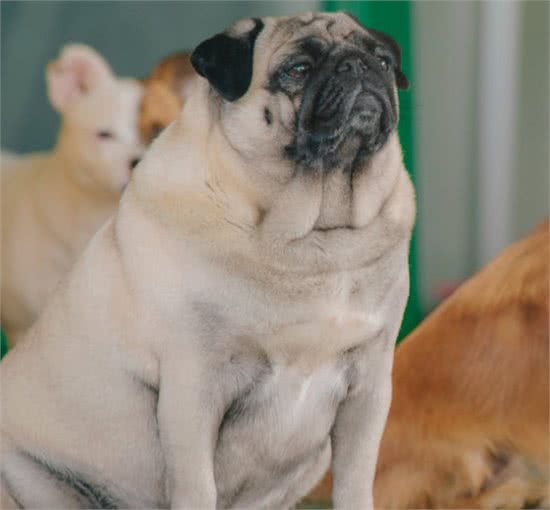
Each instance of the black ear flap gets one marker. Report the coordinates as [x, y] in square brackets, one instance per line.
[227, 61]
[401, 80]
[390, 43]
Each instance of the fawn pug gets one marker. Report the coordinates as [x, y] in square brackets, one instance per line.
[232, 328]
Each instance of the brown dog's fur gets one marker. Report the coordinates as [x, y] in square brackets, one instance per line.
[468, 425]
[166, 89]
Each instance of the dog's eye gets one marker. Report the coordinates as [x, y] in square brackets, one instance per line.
[105, 134]
[299, 70]
[385, 62]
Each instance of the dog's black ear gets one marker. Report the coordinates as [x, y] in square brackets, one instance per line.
[227, 61]
[401, 80]
[390, 43]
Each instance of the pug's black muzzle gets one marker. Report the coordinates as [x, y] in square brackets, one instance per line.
[347, 113]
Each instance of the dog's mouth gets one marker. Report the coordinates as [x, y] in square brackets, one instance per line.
[335, 227]
[326, 234]
[341, 121]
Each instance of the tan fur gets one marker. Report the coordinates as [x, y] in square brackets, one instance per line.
[468, 424]
[213, 348]
[166, 89]
[52, 203]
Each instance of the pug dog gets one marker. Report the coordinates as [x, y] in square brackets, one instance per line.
[230, 331]
[53, 202]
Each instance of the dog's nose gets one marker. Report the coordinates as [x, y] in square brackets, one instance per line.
[351, 65]
[133, 163]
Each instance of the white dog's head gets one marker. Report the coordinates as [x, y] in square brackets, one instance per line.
[99, 132]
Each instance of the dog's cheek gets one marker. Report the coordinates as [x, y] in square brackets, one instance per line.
[286, 112]
[279, 131]
[110, 165]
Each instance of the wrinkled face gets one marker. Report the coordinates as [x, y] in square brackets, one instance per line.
[319, 88]
[102, 128]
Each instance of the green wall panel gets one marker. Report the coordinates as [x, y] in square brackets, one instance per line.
[3, 344]
[395, 18]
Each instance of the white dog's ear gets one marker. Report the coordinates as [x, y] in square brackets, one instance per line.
[78, 70]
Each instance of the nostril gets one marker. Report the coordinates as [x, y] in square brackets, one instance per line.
[351, 65]
[344, 67]
[134, 162]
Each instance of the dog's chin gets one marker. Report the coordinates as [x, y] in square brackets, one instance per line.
[345, 140]
[118, 185]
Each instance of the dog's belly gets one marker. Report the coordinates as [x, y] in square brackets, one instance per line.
[274, 441]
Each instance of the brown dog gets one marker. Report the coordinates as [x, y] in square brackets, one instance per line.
[468, 425]
[166, 89]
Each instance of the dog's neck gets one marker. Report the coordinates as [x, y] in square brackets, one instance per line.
[226, 171]
[205, 174]
[341, 202]
[230, 179]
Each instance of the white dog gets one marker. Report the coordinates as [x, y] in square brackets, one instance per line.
[53, 203]
[232, 328]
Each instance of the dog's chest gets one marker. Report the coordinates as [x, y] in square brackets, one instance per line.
[276, 432]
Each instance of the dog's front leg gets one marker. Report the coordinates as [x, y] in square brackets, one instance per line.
[188, 420]
[357, 433]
